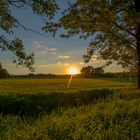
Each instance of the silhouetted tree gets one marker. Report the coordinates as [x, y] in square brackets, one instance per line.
[97, 71]
[3, 72]
[89, 71]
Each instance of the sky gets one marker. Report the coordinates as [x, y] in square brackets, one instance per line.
[52, 55]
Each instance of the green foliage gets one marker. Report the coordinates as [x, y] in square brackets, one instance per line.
[89, 71]
[3, 72]
[34, 104]
[110, 118]
[8, 22]
[110, 24]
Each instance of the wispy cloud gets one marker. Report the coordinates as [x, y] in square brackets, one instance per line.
[51, 49]
[37, 44]
[44, 51]
[53, 53]
[62, 63]
[43, 65]
[64, 56]
[41, 52]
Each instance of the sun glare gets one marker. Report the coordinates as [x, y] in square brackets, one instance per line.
[73, 71]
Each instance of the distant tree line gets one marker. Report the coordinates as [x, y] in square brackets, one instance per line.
[86, 72]
[41, 75]
[91, 72]
[3, 72]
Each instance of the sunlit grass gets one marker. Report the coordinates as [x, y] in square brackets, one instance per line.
[111, 118]
[50, 85]
[89, 109]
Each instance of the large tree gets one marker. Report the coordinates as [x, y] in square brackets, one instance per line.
[112, 25]
[43, 8]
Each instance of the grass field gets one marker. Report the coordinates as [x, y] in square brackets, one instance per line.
[89, 109]
[59, 85]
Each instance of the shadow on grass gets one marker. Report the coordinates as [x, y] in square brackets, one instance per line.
[34, 104]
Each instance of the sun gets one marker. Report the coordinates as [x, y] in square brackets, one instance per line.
[73, 71]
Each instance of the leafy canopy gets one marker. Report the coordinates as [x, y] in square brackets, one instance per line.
[111, 25]
[44, 8]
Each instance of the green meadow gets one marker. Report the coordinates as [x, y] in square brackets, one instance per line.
[42, 85]
[89, 109]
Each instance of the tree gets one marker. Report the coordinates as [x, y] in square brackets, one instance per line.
[3, 72]
[113, 25]
[90, 71]
[98, 71]
[42, 8]
[87, 71]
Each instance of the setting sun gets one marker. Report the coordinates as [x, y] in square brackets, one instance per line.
[73, 71]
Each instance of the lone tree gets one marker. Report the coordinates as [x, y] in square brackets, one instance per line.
[3, 72]
[113, 25]
[43, 8]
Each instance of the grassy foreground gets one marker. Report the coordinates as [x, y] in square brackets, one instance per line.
[98, 114]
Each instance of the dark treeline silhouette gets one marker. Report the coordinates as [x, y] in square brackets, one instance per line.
[40, 75]
[98, 72]
[104, 75]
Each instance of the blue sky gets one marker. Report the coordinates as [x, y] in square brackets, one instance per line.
[52, 55]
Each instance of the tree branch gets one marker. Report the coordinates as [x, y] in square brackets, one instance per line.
[124, 29]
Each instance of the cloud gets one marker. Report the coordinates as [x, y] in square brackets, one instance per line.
[41, 52]
[64, 56]
[52, 52]
[62, 63]
[45, 65]
[51, 49]
[37, 44]
[81, 63]
[45, 51]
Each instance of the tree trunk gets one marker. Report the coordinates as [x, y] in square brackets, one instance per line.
[137, 8]
[138, 52]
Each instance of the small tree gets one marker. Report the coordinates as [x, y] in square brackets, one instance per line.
[97, 72]
[3, 72]
[89, 71]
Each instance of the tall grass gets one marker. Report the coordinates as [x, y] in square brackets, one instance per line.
[87, 115]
